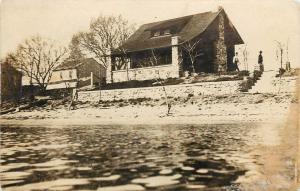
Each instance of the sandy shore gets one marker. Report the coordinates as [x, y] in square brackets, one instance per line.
[190, 110]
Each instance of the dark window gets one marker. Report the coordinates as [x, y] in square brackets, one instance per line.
[161, 32]
[167, 32]
[70, 74]
[146, 58]
[156, 33]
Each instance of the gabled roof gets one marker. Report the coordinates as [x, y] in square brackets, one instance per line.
[186, 28]
[72, 64]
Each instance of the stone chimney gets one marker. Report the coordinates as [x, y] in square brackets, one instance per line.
[220, 8]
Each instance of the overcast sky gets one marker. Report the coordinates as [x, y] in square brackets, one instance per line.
[259, 22]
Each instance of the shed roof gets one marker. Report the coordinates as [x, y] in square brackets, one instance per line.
[72, 64]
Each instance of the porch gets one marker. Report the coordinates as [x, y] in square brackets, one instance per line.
[175, 61]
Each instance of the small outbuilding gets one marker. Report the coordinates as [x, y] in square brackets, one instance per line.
[77, 74]
[11, 83]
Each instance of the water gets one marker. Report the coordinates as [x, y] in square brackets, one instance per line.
[165, 157]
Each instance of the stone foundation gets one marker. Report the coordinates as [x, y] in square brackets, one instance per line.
[185, 90]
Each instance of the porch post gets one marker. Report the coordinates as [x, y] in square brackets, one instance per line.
[128, 66]
[175, 56]
[109, 75]
[92, 80]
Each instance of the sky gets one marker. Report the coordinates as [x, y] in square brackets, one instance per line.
[259, 22]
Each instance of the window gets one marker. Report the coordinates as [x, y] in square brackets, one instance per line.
[156, 33]
[70, 74]
[167, 32]
[161, 33]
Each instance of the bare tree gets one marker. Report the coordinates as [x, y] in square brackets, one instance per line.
[105, 34]
[123, 61]
[280, 47]
[154, 62]
[245, 57]
[37, 58]
[74, 47]
[288, 64]
[191, 47]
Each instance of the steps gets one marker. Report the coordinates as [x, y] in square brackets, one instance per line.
[269, 83]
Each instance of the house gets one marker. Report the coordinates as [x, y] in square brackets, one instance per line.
[77, 74]
[11, 82]
[197, 43]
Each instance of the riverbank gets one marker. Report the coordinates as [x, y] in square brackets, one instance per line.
[233, 108]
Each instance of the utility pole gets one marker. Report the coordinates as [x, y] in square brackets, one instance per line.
[99, 83]
[281, 52]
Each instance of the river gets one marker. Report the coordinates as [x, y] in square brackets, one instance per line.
[127, 157]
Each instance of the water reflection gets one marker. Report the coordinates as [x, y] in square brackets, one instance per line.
[169, 157]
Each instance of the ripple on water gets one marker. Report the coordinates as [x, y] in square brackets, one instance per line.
[195, 186]
[13, 175]
[50, 185]
[8, 182]
[187, 168]
[165, 171]
[108, 178]
[202, 171]
[85, 168]
[127, 187]
[129, 158]
[54, 162]
[156, 181]
[12, 166]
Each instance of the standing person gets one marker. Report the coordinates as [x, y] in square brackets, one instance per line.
[236, 62]
[260, 61]
[220, 68]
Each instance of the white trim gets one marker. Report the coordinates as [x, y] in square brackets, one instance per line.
[147, 67]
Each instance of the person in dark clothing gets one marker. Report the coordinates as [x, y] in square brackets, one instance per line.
[260, 61]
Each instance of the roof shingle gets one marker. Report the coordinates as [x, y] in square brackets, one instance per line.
[187, 27]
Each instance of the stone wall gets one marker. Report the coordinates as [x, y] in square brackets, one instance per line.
[205, 88]
[146, 73]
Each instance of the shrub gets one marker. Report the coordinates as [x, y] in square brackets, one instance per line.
[257, 74]
[246, 85]
[121, 104]
[243, 73]
[281, 71]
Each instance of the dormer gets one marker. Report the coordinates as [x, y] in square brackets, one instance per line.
[167, 31]
[156, 33]
[161, 32]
